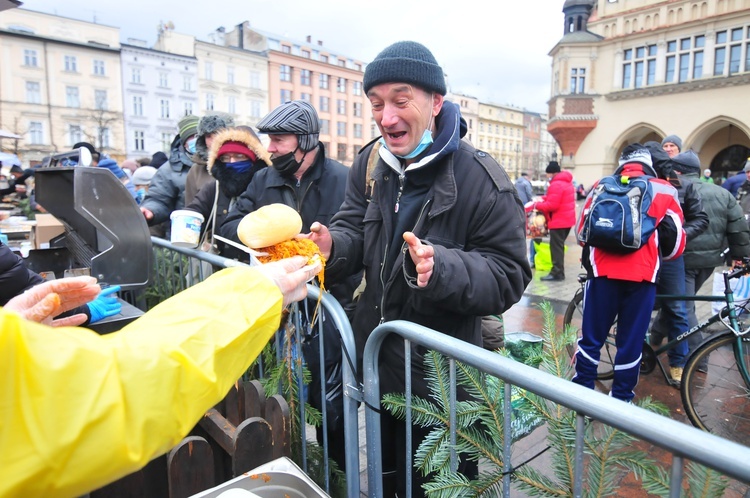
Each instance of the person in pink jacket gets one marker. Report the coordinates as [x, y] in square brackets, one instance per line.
[559, 207]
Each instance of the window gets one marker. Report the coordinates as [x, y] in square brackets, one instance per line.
[306, 54]
[135, 75]
[71, 64]
[102, 137]
[232, 105]
[254, 79]
[137, 105]
[72, 98]
[139, 142]
[99, 67]
[357, 130]
[324, 81]
[304, 77]
[729, 43]
[577, 80]
[29, 58]
[341, 85]
[357, 88]
[255, 109]
[187, 83]
[286, 49]
[285, 73]
[306, 97]
[36, 133]
[230, 75]
[164, 107]
[341, 152]
[357, 109]
[166, 141]
[188, 108]
[75, 134]
[324, 58]
[100, 100]
[341, 106]
[210, 101]
[163, 80]
[286, 96]
[684, 60]
[325, 127]
[341, 128]
[324, 103]
[33, 92]
[639, 67]
[209, 71]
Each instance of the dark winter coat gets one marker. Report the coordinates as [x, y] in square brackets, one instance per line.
[727, 228]
[469, 212]
[559, 205]
[166, 193]
[696, 219]
[206, 196]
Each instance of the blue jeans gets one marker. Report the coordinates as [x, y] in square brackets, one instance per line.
[672, 319]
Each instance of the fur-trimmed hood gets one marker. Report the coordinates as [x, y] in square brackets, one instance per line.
[242, 134]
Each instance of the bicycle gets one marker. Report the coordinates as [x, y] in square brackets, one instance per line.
[715, 387]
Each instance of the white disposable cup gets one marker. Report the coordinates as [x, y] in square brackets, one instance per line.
[186, 228]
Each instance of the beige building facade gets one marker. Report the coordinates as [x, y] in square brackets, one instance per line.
[638, 70]
[470, 112]
[60, 84]
[501, 135]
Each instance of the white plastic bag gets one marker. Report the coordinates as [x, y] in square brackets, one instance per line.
[740, 287]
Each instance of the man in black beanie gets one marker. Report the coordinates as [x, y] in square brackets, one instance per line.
[431, 219]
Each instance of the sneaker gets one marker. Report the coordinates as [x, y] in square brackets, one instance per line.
[676, 373]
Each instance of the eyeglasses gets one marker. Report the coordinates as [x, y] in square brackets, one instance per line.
[233, 157]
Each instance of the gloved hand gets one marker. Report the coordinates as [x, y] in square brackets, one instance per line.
[105, 304]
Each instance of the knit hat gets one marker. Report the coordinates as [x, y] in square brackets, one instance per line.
[406, 62]
[636, 153]
[236, 147]
[297, 117]
[188, 126]
[706, 172]
[747, 166]
[111, 165]
[687, 162]
[158, 159]
[553, 167]
[16, 169]
[211, 123]
[674, 139]
[143, 175]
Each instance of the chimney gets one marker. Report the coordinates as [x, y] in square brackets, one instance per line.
[320, 43]
[309, 39]
[241, 35]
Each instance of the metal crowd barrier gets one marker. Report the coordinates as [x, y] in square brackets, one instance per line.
[684, 442]
[180, 268]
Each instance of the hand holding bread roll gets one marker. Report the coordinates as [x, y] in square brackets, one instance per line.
[272, 229]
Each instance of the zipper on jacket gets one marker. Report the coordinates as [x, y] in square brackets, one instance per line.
[401, 178]
[385, 255]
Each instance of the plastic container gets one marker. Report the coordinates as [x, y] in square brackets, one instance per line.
[186, 228]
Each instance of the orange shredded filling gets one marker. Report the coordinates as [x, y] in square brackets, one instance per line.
[295, 247]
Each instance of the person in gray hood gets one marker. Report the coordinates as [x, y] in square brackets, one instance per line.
[437, 226]
[199, 175]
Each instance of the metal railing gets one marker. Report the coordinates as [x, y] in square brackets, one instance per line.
[684, 442]
[179, 268]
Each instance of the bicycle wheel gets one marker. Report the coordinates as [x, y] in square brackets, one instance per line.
[574, 317]
[718, 400]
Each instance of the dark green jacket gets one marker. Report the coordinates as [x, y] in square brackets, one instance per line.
[727, 228]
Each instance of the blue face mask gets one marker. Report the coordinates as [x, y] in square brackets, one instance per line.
[421, 147]
[190, 145]
[240, 166]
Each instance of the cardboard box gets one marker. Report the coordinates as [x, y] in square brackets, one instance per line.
[47, 228]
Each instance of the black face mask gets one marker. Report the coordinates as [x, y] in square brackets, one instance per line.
[287, 165]
[232, 183]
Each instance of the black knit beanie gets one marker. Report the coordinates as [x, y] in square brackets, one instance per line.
[553, 167]
[406, 62]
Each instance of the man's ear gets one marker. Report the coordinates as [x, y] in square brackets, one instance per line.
[437, 103]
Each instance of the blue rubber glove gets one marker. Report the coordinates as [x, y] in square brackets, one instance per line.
[105, 305]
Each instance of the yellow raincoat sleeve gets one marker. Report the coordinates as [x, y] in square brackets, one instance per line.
[79, 410]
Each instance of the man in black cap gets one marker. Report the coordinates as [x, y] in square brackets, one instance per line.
[303, 178]
[436, 224]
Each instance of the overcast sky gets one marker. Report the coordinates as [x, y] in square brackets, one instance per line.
[490, 49]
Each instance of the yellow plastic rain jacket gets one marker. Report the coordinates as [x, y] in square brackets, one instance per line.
[79, 410]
